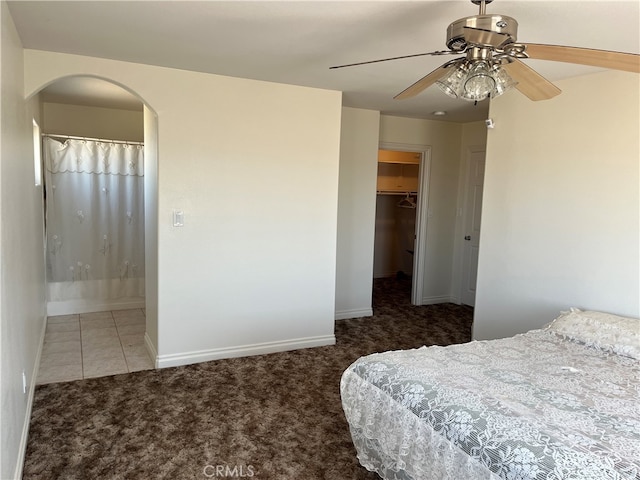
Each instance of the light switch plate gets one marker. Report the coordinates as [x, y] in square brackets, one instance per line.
[178, 218]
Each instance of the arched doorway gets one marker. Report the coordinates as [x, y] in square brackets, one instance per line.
[97, 112]
[93, 136]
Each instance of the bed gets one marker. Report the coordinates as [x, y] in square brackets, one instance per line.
[562, 402]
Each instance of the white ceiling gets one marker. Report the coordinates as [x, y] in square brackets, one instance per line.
[295, 42]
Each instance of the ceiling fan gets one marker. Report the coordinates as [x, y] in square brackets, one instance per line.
[493, 63]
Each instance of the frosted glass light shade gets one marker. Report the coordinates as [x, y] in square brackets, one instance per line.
[503, 82]
[475, 81]
[479, 83]
[453, 82]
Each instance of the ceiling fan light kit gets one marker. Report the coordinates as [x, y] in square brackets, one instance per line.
[493, 62]
[475, 80]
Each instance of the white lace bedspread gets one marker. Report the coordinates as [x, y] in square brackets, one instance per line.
[533, 406]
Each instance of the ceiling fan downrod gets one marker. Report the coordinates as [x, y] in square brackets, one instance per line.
[483, 5]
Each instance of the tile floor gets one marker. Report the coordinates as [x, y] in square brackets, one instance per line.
[93, 345]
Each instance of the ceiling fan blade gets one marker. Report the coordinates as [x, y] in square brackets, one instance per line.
[439, 52]
[479, 36]
[629, 62]
[530, 82]
[423, 83]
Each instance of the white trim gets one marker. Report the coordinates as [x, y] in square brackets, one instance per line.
[151, 349]
[404, 147]
[353, 313]
[70, 307]
[22, 447]
[186, 358]
[438, 299]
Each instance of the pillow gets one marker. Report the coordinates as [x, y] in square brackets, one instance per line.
[606, 331]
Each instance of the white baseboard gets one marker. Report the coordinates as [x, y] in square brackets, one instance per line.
[186, 358]
[22, 448]
[353, 313]
[151, 349]
[70, 307]
[437, 299]
[456, 300]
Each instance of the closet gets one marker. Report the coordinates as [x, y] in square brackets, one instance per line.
[396, 207]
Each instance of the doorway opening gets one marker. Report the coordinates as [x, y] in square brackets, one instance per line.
[400, 227]
[93, 137]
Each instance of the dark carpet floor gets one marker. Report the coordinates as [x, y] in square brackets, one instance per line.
[274, 416]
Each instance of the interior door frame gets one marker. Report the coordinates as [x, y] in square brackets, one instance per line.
[422, 214]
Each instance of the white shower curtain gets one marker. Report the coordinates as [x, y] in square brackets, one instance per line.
[94, 222]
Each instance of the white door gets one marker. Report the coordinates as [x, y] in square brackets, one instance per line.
[473, 213]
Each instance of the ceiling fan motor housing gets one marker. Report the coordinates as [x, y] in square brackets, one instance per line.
[493, 23]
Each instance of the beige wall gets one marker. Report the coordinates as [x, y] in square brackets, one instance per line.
[22, 297]
[444, 139]
[560, 224]
[356, 211]
[96, 122]
[473, 134]
[254, 167]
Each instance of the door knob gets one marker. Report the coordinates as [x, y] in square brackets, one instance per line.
[467, 237]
